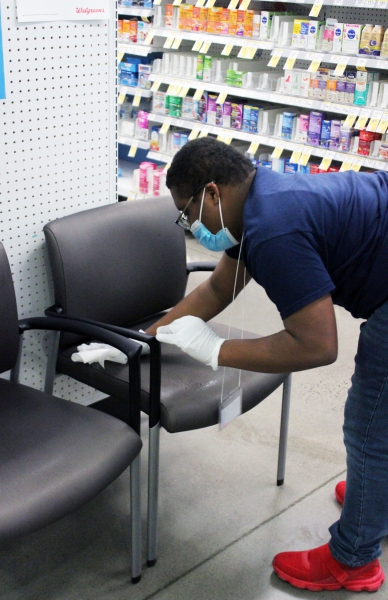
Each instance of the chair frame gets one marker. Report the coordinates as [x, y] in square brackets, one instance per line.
[132, 351]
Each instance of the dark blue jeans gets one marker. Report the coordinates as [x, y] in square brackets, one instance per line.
[356, 537]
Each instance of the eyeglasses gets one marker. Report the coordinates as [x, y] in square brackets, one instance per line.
[182, 220]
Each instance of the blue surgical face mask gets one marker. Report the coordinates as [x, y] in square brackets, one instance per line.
[223, 240]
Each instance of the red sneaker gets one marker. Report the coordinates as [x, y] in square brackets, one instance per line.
[340, 491]
[317, 570]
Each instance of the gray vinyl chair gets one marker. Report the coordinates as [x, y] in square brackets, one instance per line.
[56, 455]
[123, 265]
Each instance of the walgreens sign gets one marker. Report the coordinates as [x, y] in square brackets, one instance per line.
[63, 10]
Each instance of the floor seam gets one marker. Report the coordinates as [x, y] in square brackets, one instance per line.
[244, 535]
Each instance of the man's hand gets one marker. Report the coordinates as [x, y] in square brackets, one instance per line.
[194, 337]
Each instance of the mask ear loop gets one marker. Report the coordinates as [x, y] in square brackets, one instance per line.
[231, 315]
[200, 211]
[222, 220]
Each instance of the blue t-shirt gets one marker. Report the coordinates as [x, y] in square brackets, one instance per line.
[310, 235]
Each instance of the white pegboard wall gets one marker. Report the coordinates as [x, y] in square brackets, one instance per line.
[57, 152]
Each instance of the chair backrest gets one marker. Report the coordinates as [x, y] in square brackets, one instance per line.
[9, 328]
[118, 263]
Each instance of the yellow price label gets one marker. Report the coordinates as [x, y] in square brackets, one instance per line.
[120, 56]
[194, 133]
[361, 122]
[227, 49]
[197, 45]
[276, 56]
[157, 2]
[244, 5]
[169, 41]
[166, 125]
[156, 85]
[289, 64]
[373, 123]
[232, 4]
[383, 125]
[346, 165]
[221, 98]
[184, 91]
[177, 2]
[228, 139]
[361, 64]
[253, 148]
[304, 159]
[200, 3]
[340, 68]
[149, 37]
[177, 42]
[316, 9]
[203, 133]
[277, 152]
[198, 94]
[205, 47]
[356, 165]
[326, 162]
[314, 66]
[133, 149]
[210, 3]
[122, 97]
[295, 156]
[350, 120]
[136, 99]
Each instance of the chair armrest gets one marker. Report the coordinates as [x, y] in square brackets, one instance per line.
[128, 347]
[155, 355]
[201, 266]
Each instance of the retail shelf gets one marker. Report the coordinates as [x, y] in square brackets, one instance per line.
[130, 141]
[160, 156]
[137, 49]
[202, 36]
[344, 3]
[270, 141]
[265, 96]
[125, 182]
[134, 91]
[351, 60]
[136, 11]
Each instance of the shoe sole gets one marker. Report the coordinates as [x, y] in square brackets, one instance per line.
[355, 586]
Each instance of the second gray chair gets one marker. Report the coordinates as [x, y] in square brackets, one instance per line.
[123, 265]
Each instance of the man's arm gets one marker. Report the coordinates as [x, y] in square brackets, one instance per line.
[211, 297]
[309, 340]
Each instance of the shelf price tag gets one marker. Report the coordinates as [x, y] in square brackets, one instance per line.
[304, 159]
[156, 85]
[315, 63]
[133, 149]
[194, 133]
[149, 37]
[316, 8]
[232, 4]
[363, 118]
[198, 94]
[253, 148]
[352, 116]
[370, 3]
[177, 2]
[200, 3]
[381, 4]
[227, 139]
[210, 3]
[357, 164]
[227, 49]
[326, 161]
[177, 42]
[346, 165]
[374, 120]
[122, 97]
[136, 99]
[221, 98]
[289, 64]
[277, 152]
[244, 5]
[166, 125]
[205, 47]
[360, 3]
[184, 91]
[197, 45]
[296, 154]
[169, 41]
[338, 2]
[203, 133]
[157, 2]
[276, 56]
[120, 56]
[361, 64]
[383, 124]
[341, 65]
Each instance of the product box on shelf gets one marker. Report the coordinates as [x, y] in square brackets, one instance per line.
[169, 16]
[185, 17]
[315, 126]
[199, 19]
[351, 38]
[236, 115]
[213, 20]
[300, 33]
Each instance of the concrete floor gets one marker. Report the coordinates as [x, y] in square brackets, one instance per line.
[222, 517]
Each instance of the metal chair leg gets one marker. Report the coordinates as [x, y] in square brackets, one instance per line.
[51, 363]
[136, 520]
[284, 430]
[153, 490]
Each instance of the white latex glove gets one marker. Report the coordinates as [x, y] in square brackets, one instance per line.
[90, 353]
[194, 337]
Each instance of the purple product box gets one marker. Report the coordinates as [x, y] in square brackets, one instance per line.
[315, 122]
[202, 108]
[313, 138]
[236, 115]
[335, 133]
[212, 109]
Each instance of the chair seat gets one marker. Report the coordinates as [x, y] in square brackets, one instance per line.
[89, 450]
[182, 377]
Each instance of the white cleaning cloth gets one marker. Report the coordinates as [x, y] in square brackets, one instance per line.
[90, 353]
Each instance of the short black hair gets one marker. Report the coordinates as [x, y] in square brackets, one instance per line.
[204, 160]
